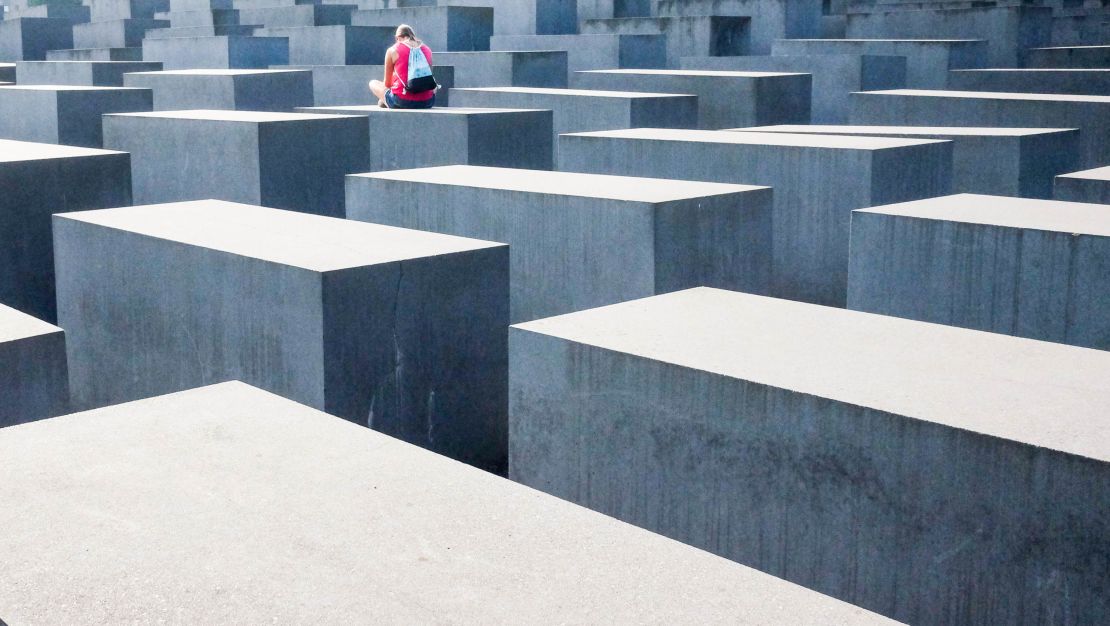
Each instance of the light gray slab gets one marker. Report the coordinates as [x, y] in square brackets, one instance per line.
[1086, 186]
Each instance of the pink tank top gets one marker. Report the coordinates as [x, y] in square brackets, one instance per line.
[401, 68]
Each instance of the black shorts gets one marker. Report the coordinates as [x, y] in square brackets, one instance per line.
[393, 102]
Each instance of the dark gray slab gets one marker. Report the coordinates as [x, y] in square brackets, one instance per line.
[770, 19]
[298, 15]
[1074, 81]
[117, 33]
[64, 114]
[592, 52]
[454, 28]
[242, 90]
[1086, 186]
[507, 69]
[928, 61]
[1032, 268]
[28, 39]
[686, 36]
[334, 45]
[224, 52]
[399, 330]
[1075, 57]
[32, 369]
[88, 73]
[96, 54]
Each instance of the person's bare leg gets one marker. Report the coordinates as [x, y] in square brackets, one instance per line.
[377, 88]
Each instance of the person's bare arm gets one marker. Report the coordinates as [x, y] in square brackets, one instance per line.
[388, 69]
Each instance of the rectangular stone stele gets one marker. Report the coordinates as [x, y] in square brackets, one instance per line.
[39, 180]
[841, 450]
[243, 90]
[583, 240]
[33, 381]
[817, 179]
[1031, 268]
[289, 161]
[91, 73]
[723, 97]
[1086, 186]
[65, 114]
[410, 138]
[295, 502]
[400, 330]
[995, 161]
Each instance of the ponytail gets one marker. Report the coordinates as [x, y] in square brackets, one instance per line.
[405, 31]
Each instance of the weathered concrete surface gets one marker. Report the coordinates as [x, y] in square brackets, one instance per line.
[593, 52]
[1032, 268]
[579, 241]
[770, 19]
[725, 99]
[996, 161]
[273, 16]
[122, 9]
[507, 69]
[7, 72]
[1074, 81]
[818, 180]
[834, 76]
[454, 28]
[685, 36]
[295, 502]
[344, 85]
[33, 381]
[333, 45]
[399, 330]
[218, 52]
[928, 61]
[529, 17]
[37, 181]
[408, 138]
[117, 33]
[96, 54]
[64, 114]
[284, 160]
[88, 73]
[28, 39]
[1075, 57]
[883, 461]
[1086, 186]
[243, 90]
[914, 107]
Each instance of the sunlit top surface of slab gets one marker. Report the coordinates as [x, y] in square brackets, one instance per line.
[11, 151]
[844, 142]
[18, 325]
[366, 109]
[990, 95]
[563, 183]
[229, 116]
[694, 73]
[1099, 173]
[1076, 218]
[64, 88]
[593, 93]
[924, 131]
[1043, 394]
[300, 240]
[218, 72]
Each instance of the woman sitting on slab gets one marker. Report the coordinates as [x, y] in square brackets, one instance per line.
[408, 72]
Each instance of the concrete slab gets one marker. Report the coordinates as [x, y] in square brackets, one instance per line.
[834, 76]
[994, 161]
[507, 69]
[839, 449]
[528, 17]
[117, 33]
[226, 52]
[214, 30]
[1075, 57]
[267, 483]
[454, 28]
[914, 107]
[289, 14]
[593, 52]
[577, 110]
[123, 9]
[345, 85]
[39, 180]
[1032, 268]
[686, 36]
[770, 19]
[64, 114]
[245, 90]
[333, 45]
[579, 241]
[28, 38]
[32, 369]
[723, 97]
[409, 138]
[399, 330]
[817, 179]
[96, 54]
[89, 73]
[1074, 81]
[1086, 186]
[283, 160]
[928, 61]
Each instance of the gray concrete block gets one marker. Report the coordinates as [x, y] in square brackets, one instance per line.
[841, 450]
[834, 76]
[602, 9]
[927, 61]
[69, 114]
[686, 36]
[507, 69]
[7, 72]
[33, 380]
[96, 54]
[218, 30]
[1074, 57]
[1074, 81]
[103, 10]
[455, 28]
[1031, 268]
[89, 73]
[121, 33]
[299, 15]
[994, 161]
[28, 39]
[283, 160]
[335, 85]
[399, 330]
[243, 90]
[409, 138]
[912, 107]
[39, 180]
[528, 17]
[1086, 186]
[181, 6]
[70, 12]
[818, 180]
[579, 241]
[723, 97]
[577, 110]
[334, 45]
[263, 482]
[228, 52]
[1008, 30]
[770, 19]
[593, 52]
[207, 17]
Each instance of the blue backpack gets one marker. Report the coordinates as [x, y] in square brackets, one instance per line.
[420, 79]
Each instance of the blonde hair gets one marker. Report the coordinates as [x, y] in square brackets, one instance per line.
[404, 31]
